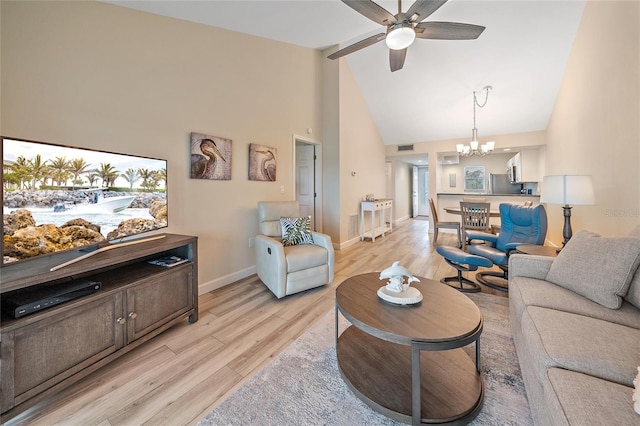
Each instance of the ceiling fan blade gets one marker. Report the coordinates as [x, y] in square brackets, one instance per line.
[357, 46]
[422, 9]
[372, 11]
[448, 31]
[396, 58]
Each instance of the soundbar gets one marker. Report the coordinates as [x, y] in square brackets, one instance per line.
[25, 302]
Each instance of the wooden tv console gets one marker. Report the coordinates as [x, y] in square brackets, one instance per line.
[49, 350]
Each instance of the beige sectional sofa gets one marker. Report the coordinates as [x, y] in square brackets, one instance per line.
[576, 326]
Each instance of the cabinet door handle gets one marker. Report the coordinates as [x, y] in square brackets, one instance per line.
[133, 315]
[121, 320]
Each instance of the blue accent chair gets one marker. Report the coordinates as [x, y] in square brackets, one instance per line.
[519, 225]
[462, 262]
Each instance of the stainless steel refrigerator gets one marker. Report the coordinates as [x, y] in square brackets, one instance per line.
[499, 184]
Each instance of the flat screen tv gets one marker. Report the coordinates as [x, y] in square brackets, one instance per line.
[59, 198]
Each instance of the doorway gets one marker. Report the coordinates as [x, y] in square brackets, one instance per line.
[307, 169]
[420, 191]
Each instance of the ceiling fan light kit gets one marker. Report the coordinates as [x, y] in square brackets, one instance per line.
[400, 36]
[474, 147]
[404, 28]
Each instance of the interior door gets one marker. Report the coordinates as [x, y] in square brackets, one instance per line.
[423, 191]
[305, 180]
[414, 191]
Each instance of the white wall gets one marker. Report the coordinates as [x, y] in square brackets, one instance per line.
[361, 151]
[101, 76]
[400, 189]
[494, 163]
[594, 127]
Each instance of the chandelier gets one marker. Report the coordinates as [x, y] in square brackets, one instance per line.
[474, 147]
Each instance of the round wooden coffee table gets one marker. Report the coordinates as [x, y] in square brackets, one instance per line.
[407, 361]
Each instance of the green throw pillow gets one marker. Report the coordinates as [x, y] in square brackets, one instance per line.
[296, 230]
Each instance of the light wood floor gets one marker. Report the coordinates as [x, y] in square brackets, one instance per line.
[181, 375]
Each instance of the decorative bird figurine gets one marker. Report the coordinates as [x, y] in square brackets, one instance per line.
[268, 165]
[204, 166]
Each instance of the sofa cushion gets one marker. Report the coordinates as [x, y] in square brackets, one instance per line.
[580, 399]
[296, 230]
[301, 257]
[633, 295]
[598, 268]
[582, 344]
[525, 291]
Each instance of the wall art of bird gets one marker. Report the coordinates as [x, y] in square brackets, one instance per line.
[203, 166]
[268, 165]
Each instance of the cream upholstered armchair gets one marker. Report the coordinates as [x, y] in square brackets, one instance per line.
[289, 269]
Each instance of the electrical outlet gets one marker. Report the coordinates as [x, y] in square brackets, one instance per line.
[250, 242]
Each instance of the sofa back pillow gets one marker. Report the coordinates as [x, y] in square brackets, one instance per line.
[633, 295]
[598, 268]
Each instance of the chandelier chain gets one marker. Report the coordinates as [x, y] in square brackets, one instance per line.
[474, 148]
[475, 102]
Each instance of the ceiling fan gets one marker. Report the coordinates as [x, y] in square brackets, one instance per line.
[403, 28]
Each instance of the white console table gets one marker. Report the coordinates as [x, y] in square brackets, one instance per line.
[380, 206]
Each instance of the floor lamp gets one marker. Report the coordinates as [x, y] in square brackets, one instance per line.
[567, 190]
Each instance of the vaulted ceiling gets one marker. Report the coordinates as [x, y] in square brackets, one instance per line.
[522, 54]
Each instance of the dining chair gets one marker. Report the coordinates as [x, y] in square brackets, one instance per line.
[474, 217]
[437, 224]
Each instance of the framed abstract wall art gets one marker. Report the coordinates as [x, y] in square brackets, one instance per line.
[210, 157]
[474, 178]
[262, 162]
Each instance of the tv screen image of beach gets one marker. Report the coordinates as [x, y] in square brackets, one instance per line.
[58, 198]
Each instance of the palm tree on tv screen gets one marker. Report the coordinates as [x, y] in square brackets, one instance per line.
[38, 169]
[149, 179]
[107, 173]
[131, 176]
[77, 167]
[59, 170]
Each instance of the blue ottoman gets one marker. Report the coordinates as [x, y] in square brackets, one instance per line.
[462, 262]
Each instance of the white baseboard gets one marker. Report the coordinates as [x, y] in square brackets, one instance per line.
[339, 246]
[226, 280]
[401, 219]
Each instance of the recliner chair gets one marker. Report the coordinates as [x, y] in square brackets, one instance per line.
[290, 269]
[518, 225]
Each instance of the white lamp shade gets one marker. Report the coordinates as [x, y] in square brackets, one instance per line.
[474, 145]
[400, 37]
[567, 190]
[459, 148]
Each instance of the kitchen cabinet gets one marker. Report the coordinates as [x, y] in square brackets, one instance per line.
[523, 167]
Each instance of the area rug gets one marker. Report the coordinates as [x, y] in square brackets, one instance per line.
[302, 385]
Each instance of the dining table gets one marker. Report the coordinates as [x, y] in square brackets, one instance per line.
[495, 228]
[456, 210]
